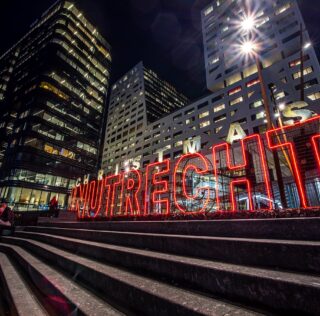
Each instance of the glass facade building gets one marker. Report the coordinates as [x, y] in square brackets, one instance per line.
[53, 87]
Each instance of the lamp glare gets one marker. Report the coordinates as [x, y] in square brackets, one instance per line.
[248, 47]
[247, 24]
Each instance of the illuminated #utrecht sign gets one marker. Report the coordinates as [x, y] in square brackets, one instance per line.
[164, 186]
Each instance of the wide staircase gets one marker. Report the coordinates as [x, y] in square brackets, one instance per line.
[237, 267]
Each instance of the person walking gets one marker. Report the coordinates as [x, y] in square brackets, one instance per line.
[53, 206]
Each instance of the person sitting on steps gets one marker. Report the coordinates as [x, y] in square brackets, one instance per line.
[6, 214]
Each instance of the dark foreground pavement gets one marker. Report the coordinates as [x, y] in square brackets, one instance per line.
[232, 267]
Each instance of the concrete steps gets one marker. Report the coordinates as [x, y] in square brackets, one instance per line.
[229, 279]
[298, 255]
[280, 228]
[58, 295]
[169, 268]
[19, 298]
[138, 294]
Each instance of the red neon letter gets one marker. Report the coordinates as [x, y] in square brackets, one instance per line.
[131, 185]
[81, 202]
[73, 200]
[92, 194]
[315, 145]
[96, 193]
[111, 185]
[275, 143]
[242, 181]
[155, 194]
[235, 183]
[185, 195]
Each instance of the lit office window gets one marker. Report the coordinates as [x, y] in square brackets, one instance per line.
[204, 114]
[306, 71]
[204, 124]
[235, 90]
[253, 82]
[314, 96]
[236, 101]
[219, 107]
[283, 9]
[208, 10]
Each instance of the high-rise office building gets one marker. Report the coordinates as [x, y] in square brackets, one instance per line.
[53, 86]
[138, 99]
[276, 33]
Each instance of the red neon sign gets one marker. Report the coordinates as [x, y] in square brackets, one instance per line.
[200, 171]
[156, 179]
[132, 194]
[112, 183]
[263, 165]
[315, 145]
[235, 183]
[290, 148]
[96, 195]
[131, 185]
[79, 199]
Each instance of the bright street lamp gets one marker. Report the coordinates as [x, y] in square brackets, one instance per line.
[247, 24]
[248, 48]
[307, 45]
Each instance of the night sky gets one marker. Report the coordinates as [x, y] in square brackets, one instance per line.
[165, 34]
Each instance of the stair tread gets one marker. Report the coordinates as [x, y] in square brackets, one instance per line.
[235, 239]
[23, 299]
[173, 222]
[293, 277]
[83, 299]
[273, 228]
[193, 301]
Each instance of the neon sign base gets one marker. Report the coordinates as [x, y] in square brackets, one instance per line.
[218, 215]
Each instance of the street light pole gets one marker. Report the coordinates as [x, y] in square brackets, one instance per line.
[263, 92]
[270, 126]
[248, 25]
[301, 64]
